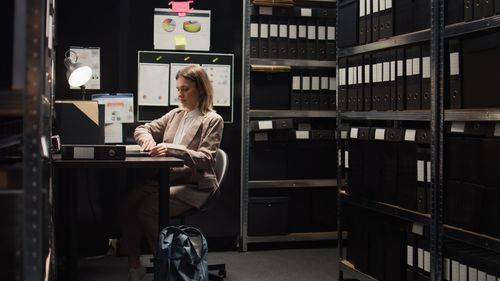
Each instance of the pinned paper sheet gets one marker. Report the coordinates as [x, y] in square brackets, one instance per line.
[180, 42]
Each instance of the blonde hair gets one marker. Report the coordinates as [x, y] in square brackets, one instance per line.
[197, 74]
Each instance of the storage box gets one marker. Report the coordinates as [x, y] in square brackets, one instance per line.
[267, 216]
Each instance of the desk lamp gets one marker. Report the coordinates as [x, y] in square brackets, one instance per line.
[78, 74]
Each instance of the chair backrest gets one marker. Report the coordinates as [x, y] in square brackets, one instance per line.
[221, 163]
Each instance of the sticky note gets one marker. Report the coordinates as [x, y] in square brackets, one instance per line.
[180, 42]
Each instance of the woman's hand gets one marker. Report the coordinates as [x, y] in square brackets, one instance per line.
[159, 150]
[148, 144]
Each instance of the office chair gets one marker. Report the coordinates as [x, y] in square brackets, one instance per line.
[221, 166]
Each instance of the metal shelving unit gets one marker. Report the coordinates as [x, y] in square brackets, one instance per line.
[408, 115]
[471, 237]
[246, 184]
[387, 209]
[292, 114]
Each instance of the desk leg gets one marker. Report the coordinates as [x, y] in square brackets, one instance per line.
[164, 200]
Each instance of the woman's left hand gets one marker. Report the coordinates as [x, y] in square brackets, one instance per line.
[158, 150]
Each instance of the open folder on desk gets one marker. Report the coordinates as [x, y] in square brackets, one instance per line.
[134, 150]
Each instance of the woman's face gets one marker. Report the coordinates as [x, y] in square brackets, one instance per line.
[187, 93]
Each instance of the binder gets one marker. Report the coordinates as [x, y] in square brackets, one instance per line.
[422, 10]
[392, 55]
[315, 91]
[322, 45]
[332, 90]
[312, 47]
[400, 79]
[403, 17]
[413, 78]
[302, 38]
[455, 98]
[347, 23]
[292, 39]
[283, 39]
[362, 22]
[454, 11]
[375, 20]
[386, 78]
[359, 85]
[367, 83]
[497, 6]
[295, 97]
[273, 38]
[385, 18]
[331, 48]
[342, 85]
[421, 180]
[477, 11]
[263, 38]
[377, 89]
[324, 92]
[407, 173]
[305, 92]
[468, 10]
[368, 19]
[254, 38]
[426, 77]
[352, 94]
[270, 90]
[487, 8]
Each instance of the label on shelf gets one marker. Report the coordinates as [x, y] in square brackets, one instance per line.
[446, 269]
[420, 170]
[321, 33]
[263, 10]
[302, 135]
[497, 130]
[393, 70]
[427, 261]
[455, 270]
[410, 134]
[362, 8]
[463, 272]
[386, 71]
[273, 30]
[306, 12]
[332, 84]
[388, 4]
[306, 83]
[416, 66]
[472, 274]
[354, 133]
[409, 255]
[400, 68]
[263, 125]
[426, 67]
[367, 73]
[343, 135]
[379, 134]
[302, 31]
[296, 83]
[374, 6]
[458, 127]
[311, 32]
[264, 30]
[428, 178]
[330, 33]
[346, 158]
[409, 67]
[283, 31]
[417, 228]
[420, 258]
[315, 83]
[481, 276]
[324, 83]
[454, 64]
[292, 29]
[254, 30]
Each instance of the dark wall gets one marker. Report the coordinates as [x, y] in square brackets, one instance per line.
[121, 29]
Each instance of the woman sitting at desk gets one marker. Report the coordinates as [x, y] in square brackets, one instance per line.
[191, 132]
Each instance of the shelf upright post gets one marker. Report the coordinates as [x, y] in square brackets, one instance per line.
[33, 228]
[245, 121]
[437, 117]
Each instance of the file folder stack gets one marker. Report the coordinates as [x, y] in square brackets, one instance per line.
[293, 33]
[468, 263]
[418, 261]
[390, 165]
[294, 146]
[472, 187]
[394, 79]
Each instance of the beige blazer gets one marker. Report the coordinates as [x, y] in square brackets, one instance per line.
[198, 148]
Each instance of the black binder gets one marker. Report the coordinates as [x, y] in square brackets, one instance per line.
[315, 91]
[422, 14]
[400, 79]
[347, 23]
[305, 93]
[377, 90]
[375, 19]
[454, 11]
[368, 19]
[273, 38]
[324, 93]
[292, 39]
[352, 91]
[385, 17]
[302, 38]
[359, 85]
[295, 96]
[413, 78]
[283, 39]
[392, 56]
[367, 83]
[362, 22]
[322, 46]
[312, 48]
[468, 10]
[254, 39]
[332, 89]
[403, 16]
[331, 48]
[426, 77]
[455, 76]
[342, 85]
[497, 6]
[263, 38]
[386, 81]
[487, 8]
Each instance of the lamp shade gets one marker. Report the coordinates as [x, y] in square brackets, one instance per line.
[77, 74]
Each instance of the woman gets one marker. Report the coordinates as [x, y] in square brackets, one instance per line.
[192, 132]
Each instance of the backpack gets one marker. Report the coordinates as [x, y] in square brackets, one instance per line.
[182, 255]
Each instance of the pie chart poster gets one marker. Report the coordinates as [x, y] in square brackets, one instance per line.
[190, 32]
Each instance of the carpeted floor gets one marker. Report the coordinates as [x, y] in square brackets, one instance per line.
[270, 265]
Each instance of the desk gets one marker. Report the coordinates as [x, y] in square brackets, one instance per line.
[129, 163]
